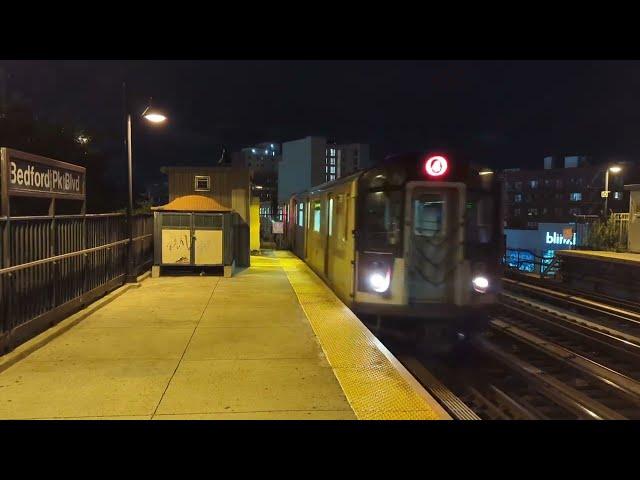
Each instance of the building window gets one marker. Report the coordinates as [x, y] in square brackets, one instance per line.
[558, 184]
[301, 213]
[533, 183]
[575, 196]
[202, 184]
[617, 195]
[517, 198]
[518, 186]
[532, 212]
[516, 212]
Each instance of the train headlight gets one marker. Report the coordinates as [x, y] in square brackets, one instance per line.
[480, 284]
[380, 281]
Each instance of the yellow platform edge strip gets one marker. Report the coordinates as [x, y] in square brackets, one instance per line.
[376, 384]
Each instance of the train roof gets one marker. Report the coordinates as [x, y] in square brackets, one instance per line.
[411, 162]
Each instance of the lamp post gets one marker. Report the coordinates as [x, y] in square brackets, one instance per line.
[154, 116]
[613, 169]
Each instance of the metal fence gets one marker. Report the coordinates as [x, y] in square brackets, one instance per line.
[54, 265]
[525, 261]
[619, 221]
[621, 225]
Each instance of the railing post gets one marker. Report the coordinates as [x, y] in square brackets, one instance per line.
[5, 280]
[53, 247]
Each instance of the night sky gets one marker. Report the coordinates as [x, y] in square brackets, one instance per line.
[503, 113]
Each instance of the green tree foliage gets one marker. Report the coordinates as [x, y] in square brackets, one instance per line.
[21, 129]
[604, 235]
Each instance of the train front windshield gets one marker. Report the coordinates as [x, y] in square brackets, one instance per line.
[382, 221]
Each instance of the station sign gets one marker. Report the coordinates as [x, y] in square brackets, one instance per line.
[277, 227]
[28, 175]
[553, 238]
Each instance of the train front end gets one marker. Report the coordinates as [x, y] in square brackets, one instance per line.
[428, 242]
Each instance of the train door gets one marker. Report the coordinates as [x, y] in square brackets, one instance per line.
[434, 233]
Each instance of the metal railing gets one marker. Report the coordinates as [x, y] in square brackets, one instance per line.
[51, 265]
[621, 225]
[525, 261]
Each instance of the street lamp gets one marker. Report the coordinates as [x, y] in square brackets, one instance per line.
[154, 116]
[613, 169]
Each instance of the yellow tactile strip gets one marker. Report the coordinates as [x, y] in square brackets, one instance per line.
[375, 384]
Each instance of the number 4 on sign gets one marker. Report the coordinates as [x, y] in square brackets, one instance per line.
[604, 193]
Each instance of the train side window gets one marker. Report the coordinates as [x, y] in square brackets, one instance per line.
[301, 213]
[316, 216]
[345, 233]
[340, 217]
[330, 216]
[428, 211]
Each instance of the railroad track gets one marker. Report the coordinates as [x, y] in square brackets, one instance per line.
[547, 355]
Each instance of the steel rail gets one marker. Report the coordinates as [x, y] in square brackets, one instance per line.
[64, 256]
[605, 375]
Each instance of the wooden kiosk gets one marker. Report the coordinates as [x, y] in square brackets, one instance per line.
[205, 225]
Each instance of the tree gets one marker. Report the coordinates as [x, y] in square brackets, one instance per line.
[604, 235]
[21, 129]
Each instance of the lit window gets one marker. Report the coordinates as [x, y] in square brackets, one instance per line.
[533, 183]
[617, 195]
[427, 215]
[316, 217]
[517, 197]
[330, 216]
[532, 212]
[202, 184]
[301, 213]
[575, 196]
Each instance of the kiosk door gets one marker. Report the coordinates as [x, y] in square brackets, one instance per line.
[208, 239]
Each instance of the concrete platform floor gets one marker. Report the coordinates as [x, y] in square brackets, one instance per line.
[616, 257]
[183, 348]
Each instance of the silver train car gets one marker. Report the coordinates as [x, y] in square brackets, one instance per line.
[418, 237]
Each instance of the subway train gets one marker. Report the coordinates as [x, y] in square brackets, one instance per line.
[416, 240]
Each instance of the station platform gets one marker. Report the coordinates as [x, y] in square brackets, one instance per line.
[614, 257]
[272, 342]
[614, 274]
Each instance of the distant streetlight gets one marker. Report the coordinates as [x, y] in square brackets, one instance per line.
[154, 116]
[613, 169]
[83, 139]
[485, 171]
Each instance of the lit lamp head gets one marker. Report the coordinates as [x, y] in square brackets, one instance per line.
[615, 169]
[154, 115]
[485, 171]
